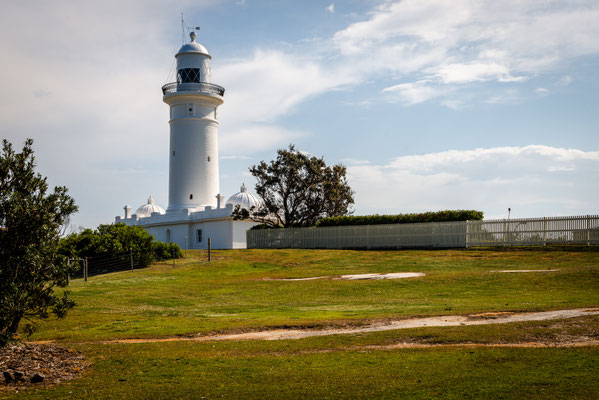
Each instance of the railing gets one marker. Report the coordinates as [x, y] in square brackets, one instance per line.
[386, 236]
[581, 230]
[578, 230]
[203, 87]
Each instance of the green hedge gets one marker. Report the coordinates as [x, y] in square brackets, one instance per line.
[115, 239]
[438, 216]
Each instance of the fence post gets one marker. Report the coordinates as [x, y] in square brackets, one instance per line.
[209, 249]
[544, 231]
[68, 274]
[588, 230]
[467, 233]
[131, 258]
[85, 270]
[185, 255]
[173, 258]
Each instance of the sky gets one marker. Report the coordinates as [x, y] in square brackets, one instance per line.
[430, 104]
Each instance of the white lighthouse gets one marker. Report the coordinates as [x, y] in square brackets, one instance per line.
[193, 155]
[197, 213]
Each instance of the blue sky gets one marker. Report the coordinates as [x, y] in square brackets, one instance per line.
[431, 104]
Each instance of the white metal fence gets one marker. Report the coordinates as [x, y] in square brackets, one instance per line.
[534, 231]
[513, 232]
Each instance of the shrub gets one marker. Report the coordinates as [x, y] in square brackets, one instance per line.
[115, 239]
[166, 251]
[438, 216]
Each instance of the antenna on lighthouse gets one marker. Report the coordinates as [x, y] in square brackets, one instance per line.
[182, 30]
[183, 27]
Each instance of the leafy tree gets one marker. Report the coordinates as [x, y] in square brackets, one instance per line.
[298, 190]
[114, 239]
[30, 227]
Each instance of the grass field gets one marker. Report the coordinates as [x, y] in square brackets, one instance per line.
[232, 294]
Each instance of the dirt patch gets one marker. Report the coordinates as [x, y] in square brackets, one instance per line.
[490, 314]
[295, 279]
[509, 271]
[392, 275]
[580, 343]
[440, 321]
[36, 364]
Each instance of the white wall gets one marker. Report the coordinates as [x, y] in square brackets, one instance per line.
[239, 229]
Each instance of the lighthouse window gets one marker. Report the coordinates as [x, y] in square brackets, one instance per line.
[191, 197]
[188, 75]
[208, 158]
[173, 153]
[199, 235]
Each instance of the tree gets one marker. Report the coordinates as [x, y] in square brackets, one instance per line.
[30, 227]
[115, 239]
[298, 190]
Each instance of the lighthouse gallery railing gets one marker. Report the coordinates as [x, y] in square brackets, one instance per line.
[203, 87]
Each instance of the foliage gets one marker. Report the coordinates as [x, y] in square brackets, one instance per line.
[264, 226]
[438, 216]
[166, 251]
[118, 238]
[30, 227]
[298, 190]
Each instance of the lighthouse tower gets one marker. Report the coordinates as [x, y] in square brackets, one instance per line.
[197, 216]
[193, 153]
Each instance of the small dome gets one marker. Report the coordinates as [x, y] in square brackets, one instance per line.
[146, 210]
[244, 199]
[193, 47]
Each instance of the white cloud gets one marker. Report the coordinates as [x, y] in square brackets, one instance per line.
[251, 138]
[352, 161]
[565, 80]
[542, 91]
[412, 93]
[331, 8]
[460, 42]
[474, 72]
[88, 93]
[533, 180]
[271, 83]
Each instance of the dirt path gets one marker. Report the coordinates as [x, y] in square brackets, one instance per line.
[449, 320]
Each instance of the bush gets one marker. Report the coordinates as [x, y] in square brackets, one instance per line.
[115, 239]
[265, 226]
[166, 251]
[438, 216]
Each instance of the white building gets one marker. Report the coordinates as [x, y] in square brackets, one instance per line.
[196, 209]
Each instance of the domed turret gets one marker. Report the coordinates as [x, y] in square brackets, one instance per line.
[244, 199]
[146, 210]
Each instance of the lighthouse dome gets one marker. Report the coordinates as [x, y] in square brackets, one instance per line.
[147, 209]
[193, 47]
[244, 199]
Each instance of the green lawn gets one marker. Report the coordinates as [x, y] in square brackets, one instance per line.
[229, 294]
[347, 366]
